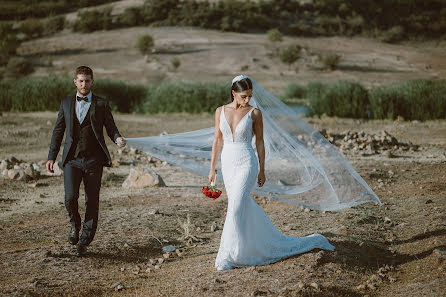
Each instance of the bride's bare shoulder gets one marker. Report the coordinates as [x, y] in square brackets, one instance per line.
[256, 112]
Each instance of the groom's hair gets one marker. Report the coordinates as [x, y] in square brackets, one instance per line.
[83, 70]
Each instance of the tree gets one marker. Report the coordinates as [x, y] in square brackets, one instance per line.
[290, 54]
[145, 44]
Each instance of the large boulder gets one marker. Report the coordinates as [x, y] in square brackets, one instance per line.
[141, 178]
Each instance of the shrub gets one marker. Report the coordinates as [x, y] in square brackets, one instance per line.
[145, 43]
[413, 100]
[186, 97]
[18, 67]
[53, 25]
[130, 17]
[8, 42]
[123, 97]
[45, 93]
[32, 27]
[274, 35]
[290, 54]
[394, 34]
[93, 20]
[330, 61]
[294, 91]
[342, 99]
[175, 63]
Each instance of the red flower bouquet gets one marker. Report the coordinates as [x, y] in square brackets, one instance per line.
[211, 191]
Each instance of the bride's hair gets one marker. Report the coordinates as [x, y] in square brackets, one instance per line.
[241, 85]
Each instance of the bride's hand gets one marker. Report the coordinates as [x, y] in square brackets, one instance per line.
[261, 179]
[211, 176]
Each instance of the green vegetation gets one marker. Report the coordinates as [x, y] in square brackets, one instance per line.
[415, 18]
[330, 61]
[175, 63]
[13, 10]
[412, 100]
[18, 67]
[290, 54]
[8, 43]
[274, 35]
[93, 20]
[144, 44]
[186, 97]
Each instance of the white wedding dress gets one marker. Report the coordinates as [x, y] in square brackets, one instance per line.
[249, 238]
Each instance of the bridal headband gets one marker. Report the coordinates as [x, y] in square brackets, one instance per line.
[238, 78]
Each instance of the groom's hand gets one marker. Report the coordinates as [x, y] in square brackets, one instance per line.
[120, 142]
[50, 166]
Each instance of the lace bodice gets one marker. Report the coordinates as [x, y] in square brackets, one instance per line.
[243, 131]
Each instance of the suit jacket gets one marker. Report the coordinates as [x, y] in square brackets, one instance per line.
[100, 116]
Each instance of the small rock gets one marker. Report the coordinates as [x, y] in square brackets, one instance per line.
[169, 248]
[157, 267]
[149, 269]
[307, 210]
[300, 285]
[13, 173]
[160, 260]
[141, 178]
[315, 285]
[258, 292]
[166, 255]
[428, 201]
[214, 227]
[371, 286]
[392, 279]
[115, 285]
[360, 287]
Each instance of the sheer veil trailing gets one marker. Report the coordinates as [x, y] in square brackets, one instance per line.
[302, 167]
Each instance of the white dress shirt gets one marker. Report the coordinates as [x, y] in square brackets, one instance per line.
[82, 107]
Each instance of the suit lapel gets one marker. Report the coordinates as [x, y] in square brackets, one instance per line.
[92, 110]
[72, 113]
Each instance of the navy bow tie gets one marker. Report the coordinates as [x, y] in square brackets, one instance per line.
[82, 98]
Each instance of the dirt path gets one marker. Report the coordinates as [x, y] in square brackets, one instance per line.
[397, 249]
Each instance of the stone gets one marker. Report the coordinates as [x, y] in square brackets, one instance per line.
[5, 173]
[5, 164]
[29, 171]
[13, 173]
[315, 285]
[141, 178]
[169, 248]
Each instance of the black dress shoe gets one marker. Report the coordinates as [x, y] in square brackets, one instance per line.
[73, 236]
[81, 250]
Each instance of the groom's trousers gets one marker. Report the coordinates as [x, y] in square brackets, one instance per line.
[88, 170]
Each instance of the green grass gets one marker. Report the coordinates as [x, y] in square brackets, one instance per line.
[412, 100]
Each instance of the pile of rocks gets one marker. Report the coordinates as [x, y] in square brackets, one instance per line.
[367, 143]
[16, 169]
[129, 156]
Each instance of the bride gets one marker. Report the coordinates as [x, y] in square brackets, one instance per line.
[249, 238]
[302, 166]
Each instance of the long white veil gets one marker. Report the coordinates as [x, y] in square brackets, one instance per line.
[301, 166]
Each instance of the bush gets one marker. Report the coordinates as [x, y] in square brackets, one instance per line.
[18, 67]
[93, 20]
[294, 91]
[130, 17]
[330, 61]
[145, 43]
[53, 25]
[8, 42]
[290, 54]
[175, 63]
[413, 100]
[342, 99]
[186, 97]
[32, 28]
[274, 35]
[45, 93]
[394, 34]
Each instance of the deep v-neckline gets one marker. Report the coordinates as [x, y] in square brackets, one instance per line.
[236, 126]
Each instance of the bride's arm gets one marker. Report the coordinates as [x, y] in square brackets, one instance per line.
[216, 145]
[258, 130]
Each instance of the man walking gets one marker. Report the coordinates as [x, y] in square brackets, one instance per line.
[82, 117]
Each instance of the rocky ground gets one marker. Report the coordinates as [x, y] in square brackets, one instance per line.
[397, 249]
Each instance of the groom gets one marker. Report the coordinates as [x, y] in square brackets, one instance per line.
[82, 117]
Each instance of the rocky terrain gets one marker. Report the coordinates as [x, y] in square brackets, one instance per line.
[162, 240]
